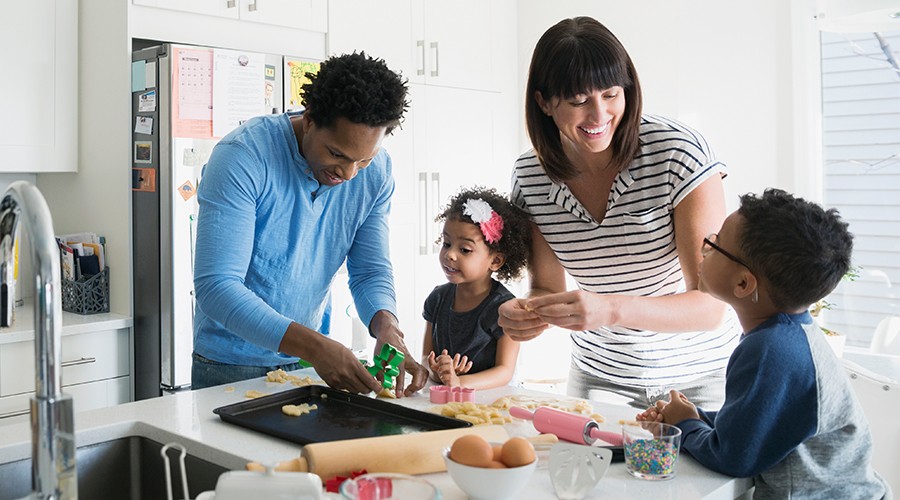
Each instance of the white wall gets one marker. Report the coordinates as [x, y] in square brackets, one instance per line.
[723, 68]
[98, 197]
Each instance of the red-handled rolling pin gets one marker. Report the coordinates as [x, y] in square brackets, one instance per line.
[567, 426]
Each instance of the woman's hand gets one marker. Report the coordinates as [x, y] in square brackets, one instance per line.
[518, 322]
[574, 310]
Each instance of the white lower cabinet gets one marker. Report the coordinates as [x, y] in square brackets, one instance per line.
[96, 372]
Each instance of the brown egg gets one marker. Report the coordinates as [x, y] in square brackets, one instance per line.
[497, 451]
[517, 452]
[472, 450]
[496, 465]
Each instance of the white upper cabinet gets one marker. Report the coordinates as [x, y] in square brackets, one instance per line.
[310, 15]
[381, 29]
[39, 86]
[434, 42]
[220, 8]
[454, 41]
[459, 58]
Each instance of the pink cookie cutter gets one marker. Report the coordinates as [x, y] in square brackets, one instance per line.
[441, 394]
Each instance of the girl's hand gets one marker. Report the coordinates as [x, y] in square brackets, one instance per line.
[433, 366]
[518, 322]
[461, 364]
[447, 370]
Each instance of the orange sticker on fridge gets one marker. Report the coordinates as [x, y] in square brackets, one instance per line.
[187, 190]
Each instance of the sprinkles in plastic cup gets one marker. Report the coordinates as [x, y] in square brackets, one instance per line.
[651, 449]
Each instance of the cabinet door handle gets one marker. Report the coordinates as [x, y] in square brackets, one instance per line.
[436, 196]
[423, 213]
[436, 70]
[230, 4]
[14, 414]
[252, 6]
[420, 67]
[81, 361]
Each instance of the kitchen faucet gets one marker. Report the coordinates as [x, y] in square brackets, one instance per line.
[52, 416]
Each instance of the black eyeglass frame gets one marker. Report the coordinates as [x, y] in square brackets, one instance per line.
[707, 241]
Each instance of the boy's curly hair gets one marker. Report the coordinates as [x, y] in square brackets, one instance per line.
[514, 244]
[800, 248]
[358, 87]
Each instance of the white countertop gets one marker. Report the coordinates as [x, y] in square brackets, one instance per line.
[72, 324]
[189, 416]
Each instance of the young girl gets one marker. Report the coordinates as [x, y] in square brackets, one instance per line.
[483, 235]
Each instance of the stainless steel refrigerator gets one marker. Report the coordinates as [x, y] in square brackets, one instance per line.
[184, 99]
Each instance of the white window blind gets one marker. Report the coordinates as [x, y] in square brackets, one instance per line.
[861, 141]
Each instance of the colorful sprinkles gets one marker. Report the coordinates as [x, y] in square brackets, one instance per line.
[654, 457]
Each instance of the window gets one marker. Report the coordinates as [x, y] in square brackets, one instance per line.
[861, 162]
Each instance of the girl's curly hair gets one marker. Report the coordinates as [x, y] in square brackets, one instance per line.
[514, 244]
[357, 87]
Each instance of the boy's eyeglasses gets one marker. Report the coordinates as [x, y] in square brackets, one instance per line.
[709, 244]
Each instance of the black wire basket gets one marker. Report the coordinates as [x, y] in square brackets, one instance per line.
[89, 295]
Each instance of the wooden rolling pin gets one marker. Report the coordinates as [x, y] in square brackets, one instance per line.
[418, 453]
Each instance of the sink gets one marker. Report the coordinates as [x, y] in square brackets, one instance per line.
[128, 467]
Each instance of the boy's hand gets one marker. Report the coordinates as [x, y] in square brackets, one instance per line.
[651, 414]
[677, 409]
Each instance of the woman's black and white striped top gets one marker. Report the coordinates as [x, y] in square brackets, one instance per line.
[632, 251]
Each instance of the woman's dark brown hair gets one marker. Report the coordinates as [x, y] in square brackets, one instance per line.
[577, 56]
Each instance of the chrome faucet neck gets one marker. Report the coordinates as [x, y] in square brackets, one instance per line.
[52, 415]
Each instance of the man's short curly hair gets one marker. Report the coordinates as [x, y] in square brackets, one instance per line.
[357, 87]
[514, 244]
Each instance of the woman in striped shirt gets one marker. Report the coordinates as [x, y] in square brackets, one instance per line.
[621, 202]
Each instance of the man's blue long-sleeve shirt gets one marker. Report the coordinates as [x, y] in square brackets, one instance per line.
[270, 240]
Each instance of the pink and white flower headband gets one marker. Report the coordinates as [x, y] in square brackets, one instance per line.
[489, 221]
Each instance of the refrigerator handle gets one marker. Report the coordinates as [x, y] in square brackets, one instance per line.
[423, 213]
[436, 196]
[420, 51]
[436, 70]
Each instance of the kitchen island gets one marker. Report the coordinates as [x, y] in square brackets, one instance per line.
[189, 416]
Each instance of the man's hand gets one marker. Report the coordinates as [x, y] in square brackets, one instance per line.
[337, 366]
[384, 327]
[340, 369]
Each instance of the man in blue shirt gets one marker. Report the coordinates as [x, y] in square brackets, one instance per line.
[278, 217]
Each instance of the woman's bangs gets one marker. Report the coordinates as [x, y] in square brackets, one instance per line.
[579, 70]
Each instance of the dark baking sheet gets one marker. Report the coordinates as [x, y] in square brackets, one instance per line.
[340, 415]
[618, 453]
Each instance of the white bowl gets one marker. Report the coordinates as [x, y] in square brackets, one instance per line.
[481, 483]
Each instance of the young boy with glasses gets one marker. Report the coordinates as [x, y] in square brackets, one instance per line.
[790, 419]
